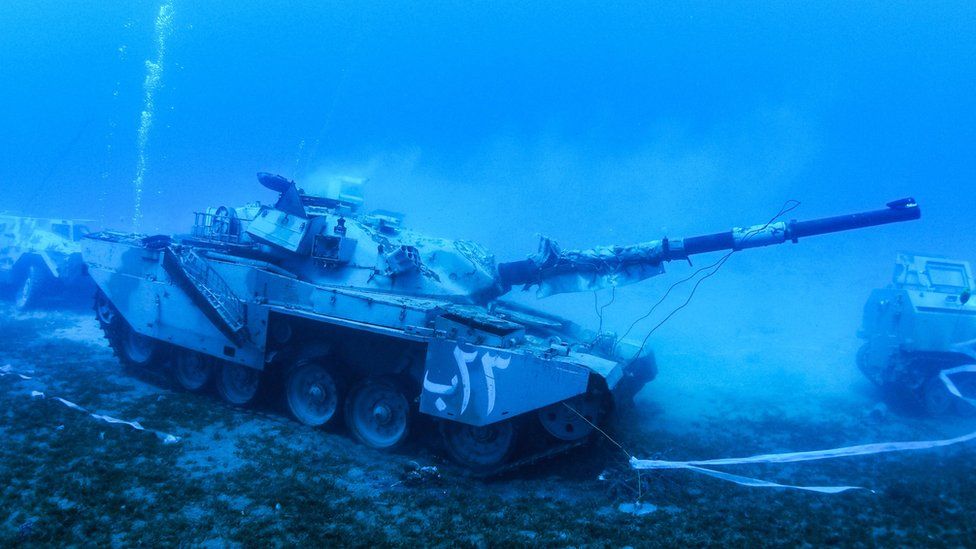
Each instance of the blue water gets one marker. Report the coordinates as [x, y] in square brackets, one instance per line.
[591, 122]
[648, 109]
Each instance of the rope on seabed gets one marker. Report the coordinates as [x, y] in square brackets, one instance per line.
[794, 457]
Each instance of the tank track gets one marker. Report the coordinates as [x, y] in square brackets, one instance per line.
[114, 333]
[529, 460]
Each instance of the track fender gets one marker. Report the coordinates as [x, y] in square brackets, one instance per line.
[35, 259]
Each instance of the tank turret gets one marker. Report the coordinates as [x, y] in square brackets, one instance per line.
[338, 309]
[322, 238]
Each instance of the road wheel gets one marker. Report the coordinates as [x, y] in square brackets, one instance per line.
[192, 371]
[237, 384]
[563, 420]
[378, 412]
[135, 349]
[481, 449]
[312, 393]
[31, 288]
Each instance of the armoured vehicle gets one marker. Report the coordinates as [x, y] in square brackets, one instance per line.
[921, 325]
[41, 258]
[353, 315]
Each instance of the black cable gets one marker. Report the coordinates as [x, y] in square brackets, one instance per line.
[694, 289]
[663, 298]
[599, 310]
[787, 207]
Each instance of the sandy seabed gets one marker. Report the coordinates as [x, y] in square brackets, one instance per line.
[250, 477]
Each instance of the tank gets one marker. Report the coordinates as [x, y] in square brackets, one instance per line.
[40, 259]
[922, 324]
[337, 313]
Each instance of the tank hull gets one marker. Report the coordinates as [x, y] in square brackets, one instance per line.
[458, 363]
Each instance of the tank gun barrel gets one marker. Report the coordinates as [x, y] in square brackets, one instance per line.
[557, 271]
[777, 233]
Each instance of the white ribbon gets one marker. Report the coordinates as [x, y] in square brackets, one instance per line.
[966, 348]
[944, 376]
[757, 483]
[6, 370]
[794, 457]
[166, 438]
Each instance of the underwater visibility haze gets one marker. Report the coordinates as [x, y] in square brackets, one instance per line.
[385, 270]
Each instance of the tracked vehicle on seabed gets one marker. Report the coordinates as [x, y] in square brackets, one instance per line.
[352, 313]
[920, 326]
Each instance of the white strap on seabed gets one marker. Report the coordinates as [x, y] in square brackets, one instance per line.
[166, 438]
[794, 457]
[944, 376]
[7, 370]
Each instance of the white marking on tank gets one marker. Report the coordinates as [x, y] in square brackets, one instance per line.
[440, 389]
[489, 363]
[463, 359]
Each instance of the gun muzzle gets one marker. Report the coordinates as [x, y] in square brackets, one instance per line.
[905, 209]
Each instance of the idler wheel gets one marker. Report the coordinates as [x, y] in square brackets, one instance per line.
[562, 420]
[312, 393]
[133, 349]
[936, 398]
[481, 449]
[378, 412]
[237, 384]
[192, 371]
[104, 310]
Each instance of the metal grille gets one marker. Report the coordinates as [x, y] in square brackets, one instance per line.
[218, 227]
[213, 288]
